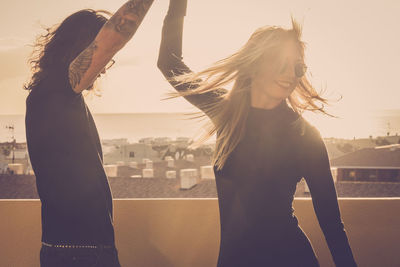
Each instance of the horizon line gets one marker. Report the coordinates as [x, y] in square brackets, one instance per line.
[175, 112]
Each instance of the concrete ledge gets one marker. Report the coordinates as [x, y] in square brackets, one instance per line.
[185, 232]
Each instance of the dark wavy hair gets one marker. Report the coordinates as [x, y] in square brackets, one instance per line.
[54, 51]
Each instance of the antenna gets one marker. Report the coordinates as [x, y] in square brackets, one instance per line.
[13, 142]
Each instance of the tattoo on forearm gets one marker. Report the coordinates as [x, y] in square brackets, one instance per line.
[81, 64]
[128, 18]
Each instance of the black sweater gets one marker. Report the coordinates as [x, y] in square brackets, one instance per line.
[65, 152]
[257, 183]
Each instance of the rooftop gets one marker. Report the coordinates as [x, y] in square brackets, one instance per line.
[24, 187]
[385, 156]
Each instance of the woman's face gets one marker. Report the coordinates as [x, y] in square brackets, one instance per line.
[279, 74]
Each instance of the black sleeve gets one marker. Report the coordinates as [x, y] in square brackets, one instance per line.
[318, 176]
[170, 55]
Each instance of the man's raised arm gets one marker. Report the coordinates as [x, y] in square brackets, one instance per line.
[117, 31]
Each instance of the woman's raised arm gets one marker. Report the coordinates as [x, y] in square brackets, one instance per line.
[170, 56]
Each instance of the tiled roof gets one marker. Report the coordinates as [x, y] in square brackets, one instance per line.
[124, 187]
[24, 187]
[387, 156]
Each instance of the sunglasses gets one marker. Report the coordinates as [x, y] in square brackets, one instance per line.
[299, 68]
[110, 64]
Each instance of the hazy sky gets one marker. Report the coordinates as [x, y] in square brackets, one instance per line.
[353, 49]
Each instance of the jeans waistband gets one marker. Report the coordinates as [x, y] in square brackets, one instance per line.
[77, 246]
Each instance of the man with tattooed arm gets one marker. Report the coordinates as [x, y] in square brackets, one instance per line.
[63, 143]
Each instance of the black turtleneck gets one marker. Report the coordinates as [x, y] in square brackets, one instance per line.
[257, 184]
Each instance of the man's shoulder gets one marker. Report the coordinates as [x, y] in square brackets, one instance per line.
[54, 107]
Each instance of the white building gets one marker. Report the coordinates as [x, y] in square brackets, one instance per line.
[131, 152]
[207, 172]
[188, 178]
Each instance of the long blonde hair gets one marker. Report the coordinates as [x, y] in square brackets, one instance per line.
[228, 115]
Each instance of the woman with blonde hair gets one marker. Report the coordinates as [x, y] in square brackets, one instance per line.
[264, 147]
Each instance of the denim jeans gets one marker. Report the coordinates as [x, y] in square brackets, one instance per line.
[78, 257]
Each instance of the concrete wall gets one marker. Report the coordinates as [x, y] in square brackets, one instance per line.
[185, 232]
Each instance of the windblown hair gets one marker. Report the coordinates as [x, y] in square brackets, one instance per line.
[229, 113]
[54, 51]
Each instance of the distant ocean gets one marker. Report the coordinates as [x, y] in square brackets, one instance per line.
[134, 126]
